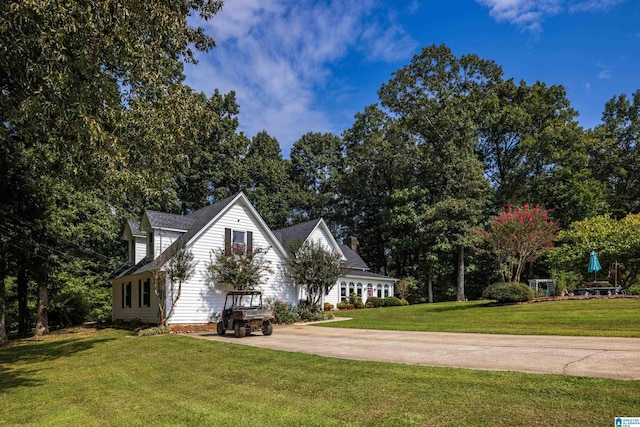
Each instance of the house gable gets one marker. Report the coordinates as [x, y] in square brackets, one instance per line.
[311, 231]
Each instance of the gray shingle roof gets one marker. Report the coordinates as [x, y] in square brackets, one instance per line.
[353, 258]
[299, 232]
[198, 219]
[134, 226]
[168, 220]
[360, 273]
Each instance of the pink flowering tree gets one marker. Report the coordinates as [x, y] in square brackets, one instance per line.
[518, 235]
[239, 268]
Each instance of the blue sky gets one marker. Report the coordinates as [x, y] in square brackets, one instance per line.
[298, 66]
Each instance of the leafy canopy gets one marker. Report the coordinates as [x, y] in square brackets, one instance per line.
[314, 268]
[519, 235]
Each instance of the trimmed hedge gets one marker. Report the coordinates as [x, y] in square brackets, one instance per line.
[383, 302]
[508, 292]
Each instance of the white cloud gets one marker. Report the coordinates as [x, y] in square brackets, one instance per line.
[604, 71]
[530, 14]
[592, 5]
[277, 56]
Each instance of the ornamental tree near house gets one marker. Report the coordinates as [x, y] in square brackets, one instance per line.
[238, 267]
[520, 235]
[314, 268]
[180, 269]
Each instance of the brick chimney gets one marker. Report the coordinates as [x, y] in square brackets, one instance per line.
[352, 242]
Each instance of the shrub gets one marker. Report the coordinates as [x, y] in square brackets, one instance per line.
[284, 312]
[328, 306]
[342, 306]
[508, 292]
[350, 306]
[375, 302]
[353, 298]
[308, 311]
[404, 302]
[359, 304]
[391, 301]
[369, 304]
[159, 330]
[634, 290]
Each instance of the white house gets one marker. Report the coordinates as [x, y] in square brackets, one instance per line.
[152, 242]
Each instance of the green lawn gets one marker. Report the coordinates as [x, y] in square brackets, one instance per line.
[596, 317]
[110, 378]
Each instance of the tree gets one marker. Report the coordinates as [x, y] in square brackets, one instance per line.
[268, 186]
[180, 269]
[316, 162]
[615, 155]
[91, 99]
[314, 268]
[519, 236]
[404, 286]
[239, 267]
[380, 158]
[534, 149]
[438, 98]
[617, 243]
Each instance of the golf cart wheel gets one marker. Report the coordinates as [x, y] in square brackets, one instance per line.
[220, 328]
[239, 331]
[267, 328]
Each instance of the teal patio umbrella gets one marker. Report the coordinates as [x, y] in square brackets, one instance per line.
[594, 264]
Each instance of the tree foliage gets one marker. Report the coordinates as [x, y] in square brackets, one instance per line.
[314, 268]
[238, 268]
[519, 235]
[615, 241]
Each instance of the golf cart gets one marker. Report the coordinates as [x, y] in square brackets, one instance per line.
[243, 314]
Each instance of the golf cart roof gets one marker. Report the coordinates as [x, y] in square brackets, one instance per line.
[244, 293]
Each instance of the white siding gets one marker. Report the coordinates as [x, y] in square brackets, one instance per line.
[334, 296]
[147, 314]
[141, 248]
[200, 299]
[162, 239]
[320, 234]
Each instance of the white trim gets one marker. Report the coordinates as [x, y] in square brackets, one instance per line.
[177, 230]
[379, 279]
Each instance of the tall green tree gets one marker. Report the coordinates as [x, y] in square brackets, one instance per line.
[268, 187]
[216, 162]
[438, 97]
[379, 160]
[535, 151]
[316, 163]
[91, 99]
[615, 156]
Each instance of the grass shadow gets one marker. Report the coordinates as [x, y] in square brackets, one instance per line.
[458, 307]
[38, 352]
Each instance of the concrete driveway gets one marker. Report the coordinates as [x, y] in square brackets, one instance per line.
[582, 356]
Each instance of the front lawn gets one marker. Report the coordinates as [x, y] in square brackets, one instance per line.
[594, 317]
[110, 378]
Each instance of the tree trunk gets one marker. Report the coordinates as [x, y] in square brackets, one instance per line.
[460, 274]
[3, 330]
[23, 310]
[429, 286]
[42, 321]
